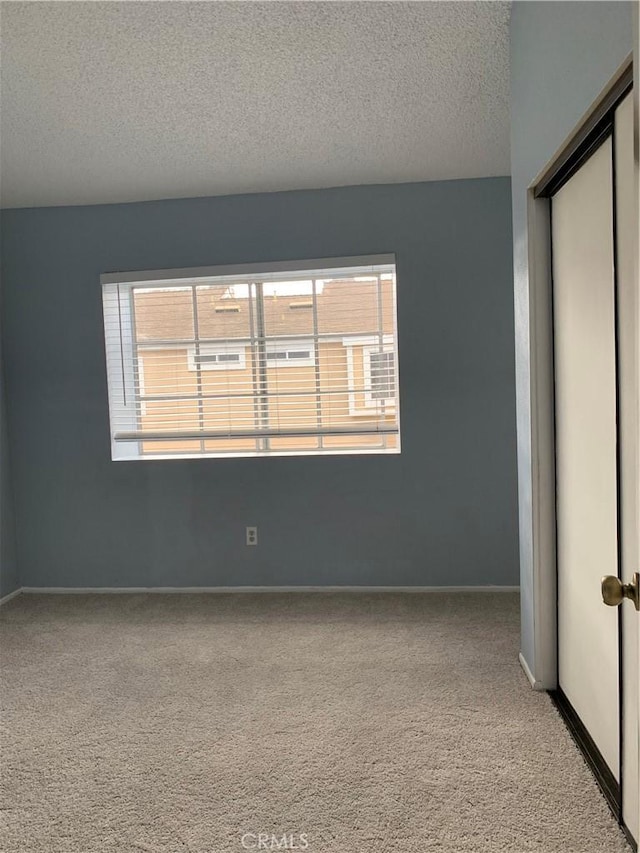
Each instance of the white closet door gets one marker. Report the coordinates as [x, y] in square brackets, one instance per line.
[629, 386]
[586, 464]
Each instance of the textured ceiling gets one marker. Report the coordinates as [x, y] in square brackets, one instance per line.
[108, 102]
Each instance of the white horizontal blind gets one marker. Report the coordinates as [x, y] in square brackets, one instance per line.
[243, 362]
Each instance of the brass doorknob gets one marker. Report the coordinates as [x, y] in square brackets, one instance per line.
[614, 591]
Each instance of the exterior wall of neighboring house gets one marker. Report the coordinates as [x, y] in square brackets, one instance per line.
[342, 365]
[355, 322]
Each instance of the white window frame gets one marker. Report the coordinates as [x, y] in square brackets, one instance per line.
[127, 438]
[217, 349]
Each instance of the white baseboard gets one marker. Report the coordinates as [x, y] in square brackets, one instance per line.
[10, 595]
[537, 685]
[118, 590]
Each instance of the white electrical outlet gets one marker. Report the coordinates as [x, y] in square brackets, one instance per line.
[252, 535]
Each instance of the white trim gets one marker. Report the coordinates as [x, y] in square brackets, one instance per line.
[119, 590]
[537, 685]
[10, 595]
[319, 265]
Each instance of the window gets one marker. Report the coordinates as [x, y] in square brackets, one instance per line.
[280, 359]
[283, 355]
[371, 365]
[212, 357]
[380, 375]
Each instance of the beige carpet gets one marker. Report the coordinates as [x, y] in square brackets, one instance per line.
[351, 723]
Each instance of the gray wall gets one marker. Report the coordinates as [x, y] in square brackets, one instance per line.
[443, 512]
[562, 55]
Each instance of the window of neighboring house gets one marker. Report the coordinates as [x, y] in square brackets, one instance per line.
[281, 359]
[380, 375]
[212, 357]
[281, 355]
[373, 375]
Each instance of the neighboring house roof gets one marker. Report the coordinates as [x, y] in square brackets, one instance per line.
[343, 307]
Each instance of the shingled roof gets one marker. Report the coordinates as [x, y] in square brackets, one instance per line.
[344, 307]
